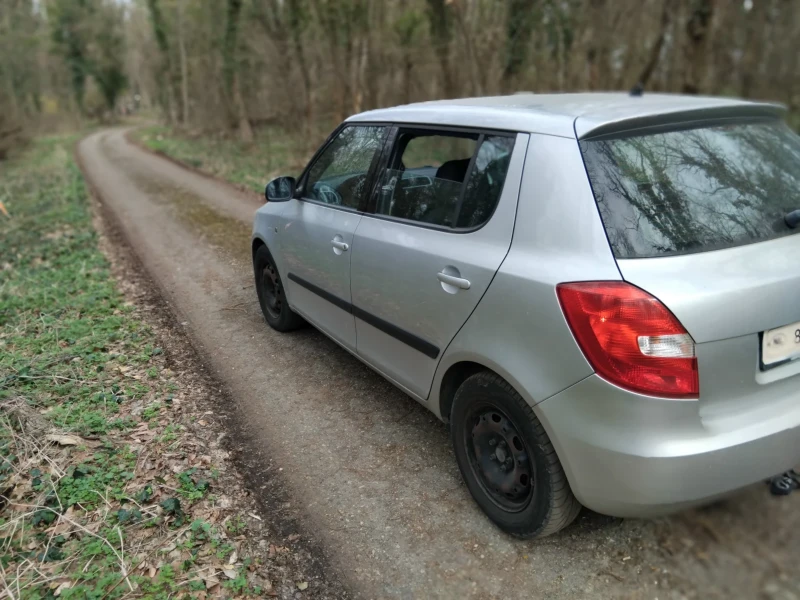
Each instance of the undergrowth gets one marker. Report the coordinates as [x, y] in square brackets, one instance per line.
[102, 492]
[274, 152]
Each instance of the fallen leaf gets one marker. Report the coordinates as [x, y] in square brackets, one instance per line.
[302, 585]
[62, 586]
[63, 440]
[230, 572]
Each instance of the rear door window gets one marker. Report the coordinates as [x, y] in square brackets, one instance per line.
[694, 190]
[450, 180]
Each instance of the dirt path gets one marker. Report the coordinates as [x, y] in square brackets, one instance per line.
[370, 470]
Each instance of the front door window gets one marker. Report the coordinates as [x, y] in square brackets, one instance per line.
[339, 175]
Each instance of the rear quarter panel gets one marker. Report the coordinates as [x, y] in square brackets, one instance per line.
[518, 329]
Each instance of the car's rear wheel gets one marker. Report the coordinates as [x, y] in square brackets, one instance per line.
[271, 295]
[507, 459]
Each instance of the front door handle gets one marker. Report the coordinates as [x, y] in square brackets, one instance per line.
[343, 246]
[459, 282]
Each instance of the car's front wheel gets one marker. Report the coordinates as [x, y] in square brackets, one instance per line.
[271, 295]
[507, 459]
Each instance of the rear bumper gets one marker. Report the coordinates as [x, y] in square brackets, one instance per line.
[631, 456]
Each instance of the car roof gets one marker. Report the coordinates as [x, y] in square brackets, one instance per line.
[571, 115]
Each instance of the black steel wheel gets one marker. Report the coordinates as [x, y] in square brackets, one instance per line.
[498, 458]
[271, 295]
[507, 460]
[272, 290]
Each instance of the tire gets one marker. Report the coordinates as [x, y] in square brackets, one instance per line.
[271, 294]
[507, 461]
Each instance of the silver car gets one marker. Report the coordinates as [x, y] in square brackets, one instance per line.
[600, 293]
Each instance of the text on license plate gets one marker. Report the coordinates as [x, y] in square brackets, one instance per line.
[781, 344]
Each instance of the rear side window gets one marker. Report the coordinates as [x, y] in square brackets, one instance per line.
[447, 180]
[486, 181]
[694, 190]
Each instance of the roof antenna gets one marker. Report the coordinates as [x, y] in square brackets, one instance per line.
[637, 90]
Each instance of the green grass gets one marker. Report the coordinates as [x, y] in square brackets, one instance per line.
[274, 152]
[74, 355]
[62, 323]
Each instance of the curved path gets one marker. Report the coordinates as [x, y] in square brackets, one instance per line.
[370, 470]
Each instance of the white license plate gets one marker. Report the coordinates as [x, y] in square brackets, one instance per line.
[781, 344]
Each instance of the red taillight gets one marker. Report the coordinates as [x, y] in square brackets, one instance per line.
[630, 338]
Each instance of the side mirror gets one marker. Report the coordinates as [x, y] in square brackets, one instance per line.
[280, 189]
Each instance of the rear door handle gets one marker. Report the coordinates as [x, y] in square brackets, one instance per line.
[458, 282]
[343, 246]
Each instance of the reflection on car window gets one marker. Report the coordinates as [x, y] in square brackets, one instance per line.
[694, 190]
[432, 178]
[425, 177]
[339, 175]
[486, 181]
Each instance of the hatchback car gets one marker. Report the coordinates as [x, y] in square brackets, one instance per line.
[598, 292]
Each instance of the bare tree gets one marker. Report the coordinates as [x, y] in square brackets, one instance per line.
[520, 22]
[184, 67]
[240, 64]
[441, 28]
[658, 44]
[696, 48]
[165, 69]
[238, 111]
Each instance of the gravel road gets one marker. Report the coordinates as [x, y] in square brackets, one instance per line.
[371, 471]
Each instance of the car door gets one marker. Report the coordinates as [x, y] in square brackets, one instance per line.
[316, 232]
[438, 228]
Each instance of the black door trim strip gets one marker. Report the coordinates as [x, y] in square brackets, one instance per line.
[335, 300]
[417, 343]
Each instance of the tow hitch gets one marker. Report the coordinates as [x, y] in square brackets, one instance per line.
[784, 484]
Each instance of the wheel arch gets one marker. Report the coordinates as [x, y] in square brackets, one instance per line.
[452, 379]
[455, 369]
[256, 244]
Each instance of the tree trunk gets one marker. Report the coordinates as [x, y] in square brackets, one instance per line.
[655, 51]
[696, 48]
[237, 108]
[167, 74]
[245, 130]
[441, 29]
[184, 69]
[597, 51]
[754, 46]
[519, 29]
[472, 57]
[296, 28]
[408, 69]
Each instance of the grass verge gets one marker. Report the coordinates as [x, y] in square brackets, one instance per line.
[274, 152]
[104, 491]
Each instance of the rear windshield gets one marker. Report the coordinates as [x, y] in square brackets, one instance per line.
[679, 192]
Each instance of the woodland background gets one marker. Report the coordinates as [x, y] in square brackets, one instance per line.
[237, 65]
